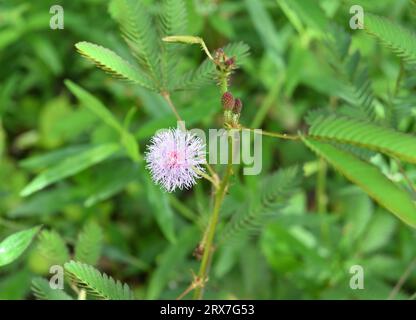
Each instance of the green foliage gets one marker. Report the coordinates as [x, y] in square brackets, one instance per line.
[365, 134]
[400, 40]
[113, 63]
[96, 283]
[75, 147]
[14, 245]
[138, 31]
[89, 244]
[370, 179]
[53, 248]
[274, 193]
[43, 291]
[92, 103]
[70, 166]
[356, 85]
[205, 73]
[158, 200]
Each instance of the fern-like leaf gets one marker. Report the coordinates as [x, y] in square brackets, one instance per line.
[400, 40]
[174, 17]
[96, 283]
[137, 28]
[365, 134]
[52, 247]
[357, 90]
[272, 196]
[43, 291]
[89, 244]
[113, 64]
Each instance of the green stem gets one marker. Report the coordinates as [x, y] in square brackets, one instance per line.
[167, 98]
[210, 232]
[273, 134]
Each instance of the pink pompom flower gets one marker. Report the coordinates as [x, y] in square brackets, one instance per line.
[174, 158]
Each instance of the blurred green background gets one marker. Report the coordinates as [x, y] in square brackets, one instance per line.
[148, 237]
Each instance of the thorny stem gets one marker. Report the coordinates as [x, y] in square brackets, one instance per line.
[210, 232]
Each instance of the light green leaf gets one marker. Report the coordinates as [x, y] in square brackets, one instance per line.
[97, 283]
[14, 245]
[70, 166]
[369, 178]
[113, 63]
[365, 134]
[394, 36]
[141, 36]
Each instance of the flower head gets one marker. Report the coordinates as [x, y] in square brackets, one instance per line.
[174, 159]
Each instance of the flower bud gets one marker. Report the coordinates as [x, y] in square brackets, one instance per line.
[227, 101]
[230, 62]
[238, 105]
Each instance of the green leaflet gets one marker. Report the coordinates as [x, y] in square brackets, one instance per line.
[394, 36]
[14, 245]
[43, 291]
[89, 244]
[70, 166]
[113, 63]
[97, 283]
[369, 178]
[365, 134]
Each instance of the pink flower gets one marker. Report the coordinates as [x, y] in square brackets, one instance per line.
[174, 157]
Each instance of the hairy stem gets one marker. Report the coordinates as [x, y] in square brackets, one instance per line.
[212, 225]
